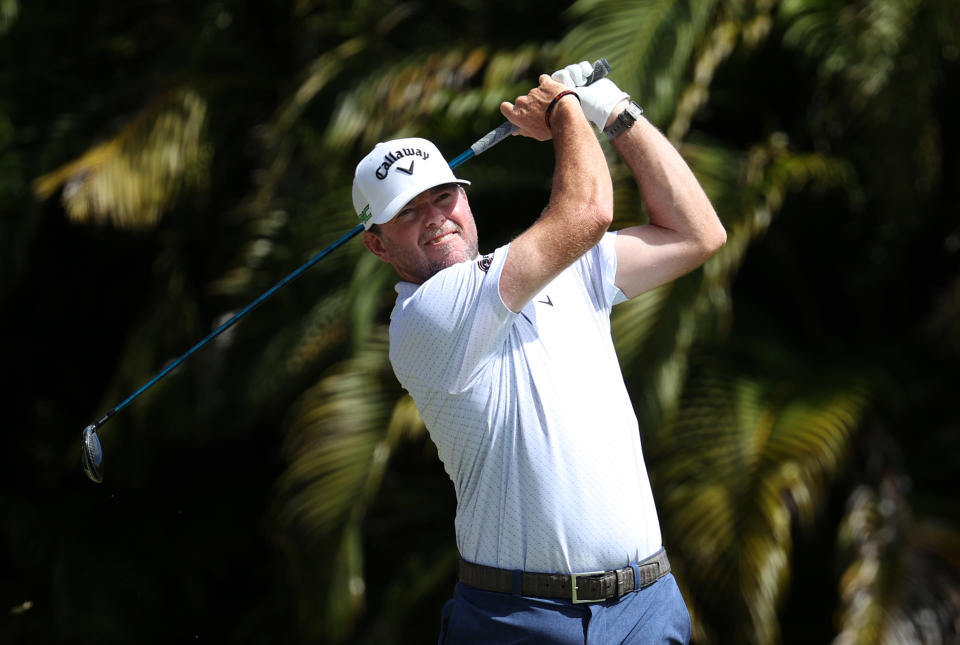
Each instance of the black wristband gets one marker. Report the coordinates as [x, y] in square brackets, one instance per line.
[556, 98]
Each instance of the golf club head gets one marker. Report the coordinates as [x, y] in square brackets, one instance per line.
[92, 454]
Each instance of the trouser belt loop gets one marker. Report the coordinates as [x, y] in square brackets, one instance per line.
[636, 575]
[517, 582]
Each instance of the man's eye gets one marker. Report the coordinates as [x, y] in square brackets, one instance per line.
[405, 212]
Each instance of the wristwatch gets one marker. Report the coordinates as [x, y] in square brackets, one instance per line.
[624, 121]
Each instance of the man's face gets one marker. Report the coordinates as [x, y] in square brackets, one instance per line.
[433, 231]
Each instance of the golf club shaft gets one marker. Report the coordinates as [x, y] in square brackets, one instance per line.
[600, 69]
[266, 295]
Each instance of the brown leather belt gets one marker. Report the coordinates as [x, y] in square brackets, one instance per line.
[593, 586]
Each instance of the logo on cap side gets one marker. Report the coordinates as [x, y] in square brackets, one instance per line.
[395, 156]
[365, 214]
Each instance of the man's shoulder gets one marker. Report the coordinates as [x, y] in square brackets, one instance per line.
[440, 284]
[444, 293]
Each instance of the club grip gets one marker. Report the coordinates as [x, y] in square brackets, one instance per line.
[493, 137]
[600, 69]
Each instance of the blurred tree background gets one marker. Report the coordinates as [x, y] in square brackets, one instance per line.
[164, 162]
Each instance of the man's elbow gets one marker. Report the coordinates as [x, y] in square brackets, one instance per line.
[600, 204]
[713, 236]
[603, 214]
[596, 216]
[717, 238]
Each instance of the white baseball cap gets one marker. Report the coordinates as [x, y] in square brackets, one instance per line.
[394, 173]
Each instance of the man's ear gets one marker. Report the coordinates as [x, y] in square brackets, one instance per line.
[373, 242]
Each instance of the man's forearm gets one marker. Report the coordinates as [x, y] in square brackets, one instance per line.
[581, 195]
[581, 198]
[684, 230]
[674, 197]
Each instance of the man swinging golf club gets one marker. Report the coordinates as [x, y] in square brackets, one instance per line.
[509, 359]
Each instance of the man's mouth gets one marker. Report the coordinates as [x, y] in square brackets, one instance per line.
[440, 239]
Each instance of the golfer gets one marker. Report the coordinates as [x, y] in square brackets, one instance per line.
[509, 359]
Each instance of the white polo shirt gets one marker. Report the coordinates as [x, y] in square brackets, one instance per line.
[530, 415]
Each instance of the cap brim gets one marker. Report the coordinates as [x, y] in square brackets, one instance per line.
[403, 198]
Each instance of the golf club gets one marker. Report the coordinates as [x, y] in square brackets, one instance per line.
[93, 451]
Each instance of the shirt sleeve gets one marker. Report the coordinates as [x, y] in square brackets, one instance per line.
[609, 244]
[598, 268]
[445, 331]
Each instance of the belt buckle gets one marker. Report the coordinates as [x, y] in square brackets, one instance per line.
[573, 587]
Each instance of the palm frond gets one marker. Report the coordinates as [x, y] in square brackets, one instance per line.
[649, 43]
[336, 430]
[449, 86]
[858, 42]
[655, 332]
[899, 551]
[282, 135]
[340, 441]
[901, 580]
[325, 69]
[733, 25]
[743, 458]
[131, 179]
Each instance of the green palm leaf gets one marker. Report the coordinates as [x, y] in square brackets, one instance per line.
[649, 43]
[655, 332]
[742, 459]
[857, 42]
[339, 443]
[131, 179]
[451, 87]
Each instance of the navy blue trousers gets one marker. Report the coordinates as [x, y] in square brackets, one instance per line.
[654, 614]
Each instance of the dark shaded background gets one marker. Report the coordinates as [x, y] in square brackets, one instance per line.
[186, 539]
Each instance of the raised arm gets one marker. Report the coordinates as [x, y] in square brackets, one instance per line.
[684, 229]
[581, 198]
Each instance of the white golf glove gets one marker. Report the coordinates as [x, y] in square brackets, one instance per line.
[598, 99]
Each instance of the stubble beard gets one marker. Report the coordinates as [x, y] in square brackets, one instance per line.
[418, 268]
[467, 253]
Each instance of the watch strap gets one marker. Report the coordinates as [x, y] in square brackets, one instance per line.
[624, 120]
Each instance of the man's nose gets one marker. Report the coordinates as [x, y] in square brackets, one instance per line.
[433, 215]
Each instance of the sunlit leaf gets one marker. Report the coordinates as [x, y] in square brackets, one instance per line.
[738, 448]
[340, 442]
[131, 179]
[655, 332]
[901, 583]
[649, 43]
[397, 99]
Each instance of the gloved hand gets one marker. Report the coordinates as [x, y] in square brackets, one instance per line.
[599, 99]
